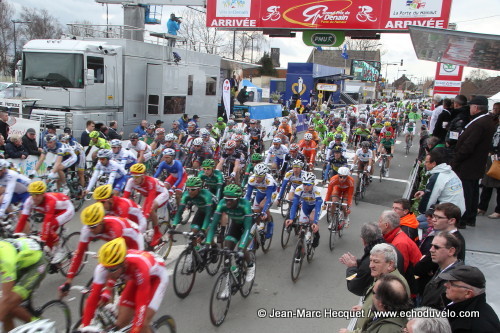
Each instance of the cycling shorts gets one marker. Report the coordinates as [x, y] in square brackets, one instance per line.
[362, 165]
[29, 278]
[340, 193]
[388, 150]
[157, 292]
[305, 212]
[19, 197]
[234, 232]
[119, 183]
[259, 196]
[198, 219]
[171, 180]
[81, 162]
[69, 162]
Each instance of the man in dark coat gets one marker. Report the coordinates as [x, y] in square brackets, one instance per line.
[30, 144]
[471, 153]
[465, 287]
[14, 147]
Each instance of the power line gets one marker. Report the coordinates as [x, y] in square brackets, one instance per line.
[479, 18]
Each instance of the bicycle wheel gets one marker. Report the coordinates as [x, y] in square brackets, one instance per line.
[382, 170]
[164, 324]
[340, 224]
[268, 236]
[186, 214]
[213, 266]
[58, 312]
[70, 244]
[220, 299]
[246, 286]
[333, 231]
[329, 217]
[285, 235]
[76, 191]
[85, 295]
[298, 256]
[184, 274]
[310, 251]
[363, 186]
[163, 248]
[285, 207]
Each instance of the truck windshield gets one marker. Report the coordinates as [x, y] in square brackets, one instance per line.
[53, 69]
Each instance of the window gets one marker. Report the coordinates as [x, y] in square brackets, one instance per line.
[153, 104]
[97, 64]
[53, 69]
[280, 86]
[190, 85]
[174, 104]
[211, 87]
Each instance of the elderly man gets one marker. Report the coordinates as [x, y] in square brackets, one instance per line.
[113, 131]
[30, 144]
[141, 129]
[465, 287]
[14, 147]
[407, 220]
[437, 100]
[383, 260]
[444, 251]
[427, 320]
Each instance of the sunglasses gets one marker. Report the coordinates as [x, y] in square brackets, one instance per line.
[137, 176]
[437, 247]
[94, 226]
[112, 270]
[207, 169]
[342, 177]
[230, 199]
[193, 189]
[308, 184]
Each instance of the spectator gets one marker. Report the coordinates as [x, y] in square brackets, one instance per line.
[471, 153]
[14, 147]
[49, 129]
[5, 123]
[173, 25]
[383, 260]
[407, 220]
[113, 131]
[141, 129]
[104, 132]
[159, 123]
[2, 146]
[442, 186]
[196, 120]
[30, 144]
[489, 183]
[460, 117]
[445, 218]
[183, 122]
[465, 287]
[242, 96]
[85, 139]
[444, 251]
[428, 320]
[442, 120]
[437, 100]
[391, 296]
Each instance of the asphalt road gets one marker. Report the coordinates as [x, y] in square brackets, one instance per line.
[321, 285]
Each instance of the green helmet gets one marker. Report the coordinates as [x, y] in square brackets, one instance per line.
[321, 122]
[233, 190]
[220, 119]
[330, 135]
[318, 115]
[256, 157]
[208, 164]
[94, 134]
[194, 182]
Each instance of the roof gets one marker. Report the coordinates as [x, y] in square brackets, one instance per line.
[487, 87]
[333, 58]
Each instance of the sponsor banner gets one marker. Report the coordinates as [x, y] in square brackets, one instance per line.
[448, 79]
[326, 87]
[226, 96]
[447, 84]
[328, 14]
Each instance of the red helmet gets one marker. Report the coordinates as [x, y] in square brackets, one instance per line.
[230, 144]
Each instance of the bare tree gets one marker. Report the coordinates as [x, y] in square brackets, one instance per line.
[6, 36]
[42, 25]
[83, 28]
[364, 44]
[200, 37]
[249, 45]
[477, 75]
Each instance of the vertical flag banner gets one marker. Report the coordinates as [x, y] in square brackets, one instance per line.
[226, 96]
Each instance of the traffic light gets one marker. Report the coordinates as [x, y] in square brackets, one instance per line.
[401, 62]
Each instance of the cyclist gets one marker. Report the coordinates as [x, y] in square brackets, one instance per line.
[228, 131]
[363, 158]
[198, 152]
[121, 207]
[327, 141]
[279, 151]
[154, 192]
[123, 156]
[80, 153]
[266, 186]
[341, 186]
[57, 209]
[231, 155]
[149, 137]
[377, 127]
[387, 128]
[340, 131]
[220, 125]
[177, 175]
[385, 147]
[171, 142]
[143, 150]
[334, 162]
[117, 174]
[409, 131]
[255, 159]
[361, 132]
[159, 140]
[322, 129]
[281, 135]
[308, 147]
[97, 141]
[309, 196]
[294, 177]
[146, 280]
[192, 133]
[212, 179]
[213, 131]
[15, 185]
[207, 141]
[240, 212]
[255, 134]
[22, 268]
[241, 146]
[336, 144]
[314, 134]
[178, 132]
[287, 129]
[293, 154]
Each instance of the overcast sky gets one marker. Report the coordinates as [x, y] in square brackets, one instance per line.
[481, 16]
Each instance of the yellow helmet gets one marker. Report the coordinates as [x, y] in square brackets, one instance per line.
[387, 123]
[37, 187]
[138, 168]
[113, 252]
[103, 192]
[93, 214]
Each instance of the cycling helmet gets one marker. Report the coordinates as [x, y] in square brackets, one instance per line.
[344, 171]
[197, 142]
[238, 131]
[133, 136]
[247, 114]
[170, 137]
[238, 137]
[338, 137]
[208, 164]
[256, 157]
[191, 124]
[93, 214]
[194, 182]
[116, 143]
[151, 127]
[138, 169]
[176, 122]
[37, 326]
[330, 135]
[37, 187]
[308, 178]
[276, 140]
[261, 169]
[294, 147]
[160, 131]
[52, 137]
[318, 114]
[103, 192]
[387, 123]
[308, 136]
[4, 164]
[113, 252]
[209, 126]
[321, 122]
[337, 149]
[253, 121]
[168, 152]
[231, 123]
[284, 120]
[220, 119]
[233, 190]
[387, 133]
[65, 137]
[204, 132]
[93, 134]
[297, 163]
[230, 144]
[105, 153]
[365, 144]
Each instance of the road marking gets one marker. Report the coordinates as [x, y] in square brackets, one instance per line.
[396, 180]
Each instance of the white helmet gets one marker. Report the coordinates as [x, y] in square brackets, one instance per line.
[261, 169]
[308, 178]
[116, 143]
[344, 171]
[276, 140]
[204, 132]
[37, 326]
[197, 142]
[105, 153]
[168, 152]
[170, 137]
[247, 114]
[308, 136]
[4, 164]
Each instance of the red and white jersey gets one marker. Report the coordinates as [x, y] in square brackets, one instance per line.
[53, 204]
[150, 184]
[127, 208]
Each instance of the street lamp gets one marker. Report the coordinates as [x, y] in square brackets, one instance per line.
[15, 37]
[251, 38]
[399, 70]
[387, 66]
[367, 47]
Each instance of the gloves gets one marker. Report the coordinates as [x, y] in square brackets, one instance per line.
[105, 296]
[240, 254]
[369, 168]
[233, 174]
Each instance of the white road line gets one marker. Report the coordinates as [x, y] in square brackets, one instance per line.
[396, 180]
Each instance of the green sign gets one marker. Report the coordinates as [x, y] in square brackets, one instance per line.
[323, 37]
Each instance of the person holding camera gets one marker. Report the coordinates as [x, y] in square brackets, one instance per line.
[173, 25]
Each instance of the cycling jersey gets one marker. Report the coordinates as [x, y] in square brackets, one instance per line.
[141, 146]
[332, 145]
[115, 171]
[80, 152]
[203, 201]
[362, 132]
[266, 188]
[203, 153]
[101, 144]
[377, 127]
[66, 151]
[126, 208]
[384, 130]
[210, 144]
[315, 136]
[125, 157]
[146, 282]
[16, 189]
[286, 128]
[114, 227]
[308, 148]
[364, 157]
[409, 129]
[152, 189]
[255, 133]
[214, 183]
[243, 149]
[236, 155]
[294, 180]
[310, 200]
[279, 153]
[175, 169]
[387, 143]
[17, 254]
[340, 189]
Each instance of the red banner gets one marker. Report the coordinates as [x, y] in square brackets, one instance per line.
[388, 15]
[448, 80]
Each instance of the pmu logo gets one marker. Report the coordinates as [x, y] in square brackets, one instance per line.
[234, 3]
[415, 4]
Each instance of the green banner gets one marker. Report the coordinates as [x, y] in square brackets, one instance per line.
[323, 37]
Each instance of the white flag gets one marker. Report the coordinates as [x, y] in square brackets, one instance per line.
[226, 97]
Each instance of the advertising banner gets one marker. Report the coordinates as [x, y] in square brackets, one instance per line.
[226, 97]
[328, 14]
[448, 80]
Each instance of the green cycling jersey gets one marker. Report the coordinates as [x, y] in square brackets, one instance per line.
[362, 132]
[378, 125]
[214, 183]
[204, 201]
[101, 144]
[17, 254]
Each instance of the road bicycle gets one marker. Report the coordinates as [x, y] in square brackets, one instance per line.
[383, 168]
[409, 140]
[303, 249]
[363, 181]
[336, 221]
[287, 231]
[262, 233]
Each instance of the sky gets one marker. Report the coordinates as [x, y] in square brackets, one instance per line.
[480, 16]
